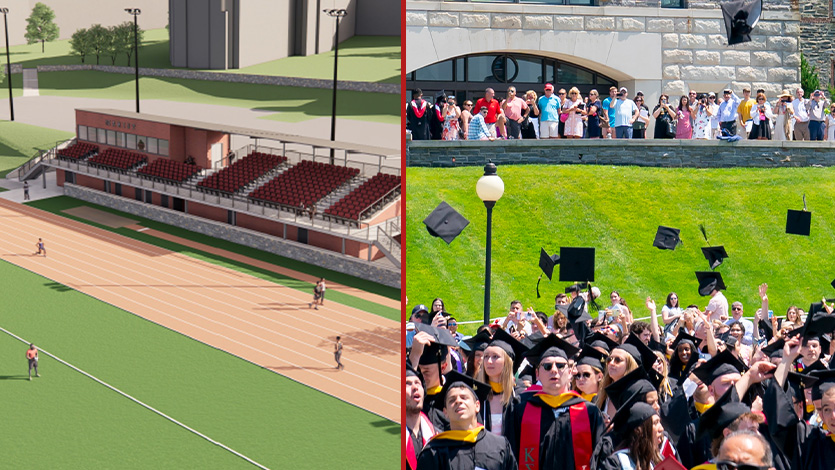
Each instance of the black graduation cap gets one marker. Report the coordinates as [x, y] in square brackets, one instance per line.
[657, 346]
[765, 326]
[578, 287]
[815, 366]
[832, 283]
[547, 262]
[826, 380]
[797, 383]
[576, 264]
[510, 345]
[719, 416]
[591, 357]
[798, 222]
[437, 348]
[667, 238]
[685, 336]
[634, 383]
[576, 311]
[604, 341]
[648, 357]
[552, 341]
[440, 94]
[709, 281]
[445, 222]
[723, 363]
[533, 339]
[634, 352]
[774, 349]
[714, 255]
[630, 416]
[455, 379]
[410, 371]
[740, 18]
[478, 342]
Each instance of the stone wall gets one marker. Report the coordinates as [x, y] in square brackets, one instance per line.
[654, 153]
[643, 48]
[784, 5]
[289, 249]
[816, 38]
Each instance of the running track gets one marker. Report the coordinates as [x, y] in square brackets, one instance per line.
[259, 321]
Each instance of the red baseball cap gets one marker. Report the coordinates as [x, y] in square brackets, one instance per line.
[548, 86]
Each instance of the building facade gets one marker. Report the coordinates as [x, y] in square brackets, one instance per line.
[644, 45]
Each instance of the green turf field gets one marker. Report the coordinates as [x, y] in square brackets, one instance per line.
[18, 142]
[617, 211]
[58, 204]
[361, 58]
[291, 104]
[65, 420]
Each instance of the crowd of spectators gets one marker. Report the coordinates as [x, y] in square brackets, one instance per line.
[569, 115]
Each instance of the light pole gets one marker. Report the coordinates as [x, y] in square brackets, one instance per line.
[335, 13]
[490, 189]
[135, 12]
[8, 62]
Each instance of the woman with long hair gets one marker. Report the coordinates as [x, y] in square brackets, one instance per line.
[497, 370]
[665, 390]
[685, 356]
[588, 373]
[618, 364]
[684, 119]
[437, 307]
[671, 312]
[761, 116]
[640, 434]
[792, 315]
[560, 322]
[663, 114]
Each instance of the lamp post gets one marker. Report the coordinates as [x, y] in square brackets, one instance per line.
[8, 62]
[490, 189]
[335, 13]
[135, 12]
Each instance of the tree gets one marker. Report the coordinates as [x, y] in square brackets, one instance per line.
[81, 43]
[129, 28]
[118, 44]
[99, 40]
[40, 26]
[808, 76]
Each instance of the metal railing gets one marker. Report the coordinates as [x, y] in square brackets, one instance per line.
[380, 202]
[41, 155]
[388, 245]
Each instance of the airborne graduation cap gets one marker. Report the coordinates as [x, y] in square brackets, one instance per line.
[714, 254]
[667, 238]
[799, 222]
[709, 281]
[546, 264]
[740, 18]
[445, 222]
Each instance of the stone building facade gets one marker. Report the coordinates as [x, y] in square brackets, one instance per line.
[634, 43]
[817, 27]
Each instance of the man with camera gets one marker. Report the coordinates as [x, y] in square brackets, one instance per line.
[625, 112]
[817, 116]
[800, 106]
[728, 114]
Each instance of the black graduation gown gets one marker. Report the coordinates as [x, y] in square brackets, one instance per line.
[436, 122]
[484, 416]
[489, 452]
[806, 446]
[418, 125]
[556, 449]
[435, 414]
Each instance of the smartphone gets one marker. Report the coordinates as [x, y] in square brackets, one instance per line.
[770, 314]
[528, 316]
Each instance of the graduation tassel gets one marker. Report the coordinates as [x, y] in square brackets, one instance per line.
[804, 202]
[704, 234]
[537, 286]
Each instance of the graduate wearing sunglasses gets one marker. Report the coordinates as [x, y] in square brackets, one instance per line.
[588, 373]
[555, 427]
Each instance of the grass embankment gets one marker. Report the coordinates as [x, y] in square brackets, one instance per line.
[65, 420]
[617, 211]
[57, 205]
[361, 58]
[18, 143]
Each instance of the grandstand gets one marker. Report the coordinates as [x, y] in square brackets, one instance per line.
[78, 151]
[163, 169]
[117, 159]
[242, 172]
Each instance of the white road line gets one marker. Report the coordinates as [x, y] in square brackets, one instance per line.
[223, 446]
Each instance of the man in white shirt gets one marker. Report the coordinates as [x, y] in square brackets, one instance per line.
[801, 116]
[626, 112]
[736, 313]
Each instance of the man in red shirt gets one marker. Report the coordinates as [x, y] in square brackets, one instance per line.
[32, 355]
[494, 111]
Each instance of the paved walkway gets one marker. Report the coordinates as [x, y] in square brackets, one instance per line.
[58, 112]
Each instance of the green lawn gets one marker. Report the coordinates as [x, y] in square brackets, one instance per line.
[291, 103]
[65, 420]
[18, 143]
[361, 58]
[58, 204]
[617, 210]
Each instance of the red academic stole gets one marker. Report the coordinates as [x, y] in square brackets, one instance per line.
[419, 111]
[426, 432]
[580, 437]
[667, 449]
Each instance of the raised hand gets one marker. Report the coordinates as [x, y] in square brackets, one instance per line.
[763, 290]
[650, 304]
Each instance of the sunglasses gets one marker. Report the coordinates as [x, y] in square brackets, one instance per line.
[551, 365]
[739, 466]
[736, 308]
[452, 323]
[561, 93]
[582, 375]
[614, 359]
